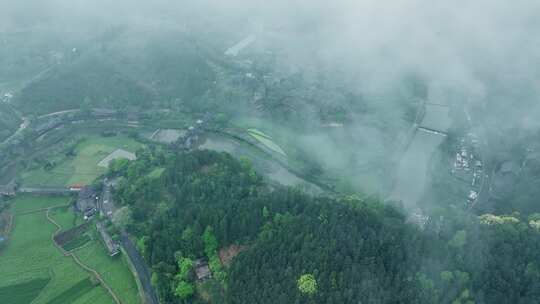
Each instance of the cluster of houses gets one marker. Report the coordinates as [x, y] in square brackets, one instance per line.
[189, 139]
[468, 166]
[6, 98]
[87, 205]
[87, 201]
[419, 218]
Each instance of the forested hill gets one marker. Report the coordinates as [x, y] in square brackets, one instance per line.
[294, 248]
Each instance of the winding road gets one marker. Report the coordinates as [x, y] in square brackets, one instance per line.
[142, 270]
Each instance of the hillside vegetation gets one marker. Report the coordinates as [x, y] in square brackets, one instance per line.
[344, 249]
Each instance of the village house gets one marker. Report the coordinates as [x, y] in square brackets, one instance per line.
[202, 270]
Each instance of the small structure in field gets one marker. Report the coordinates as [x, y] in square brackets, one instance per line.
[202, 270]
[112, 247]
[117, 154]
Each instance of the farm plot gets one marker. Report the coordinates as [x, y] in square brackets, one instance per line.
[22, 292]
[266, 141]
[31, 256]
[113, 270]
[65, 217]
[29, 203]
[72, 238]
[82, 167]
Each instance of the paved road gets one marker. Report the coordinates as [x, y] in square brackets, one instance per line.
[143, 272]
[140, 267]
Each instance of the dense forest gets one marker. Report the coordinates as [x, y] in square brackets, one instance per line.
[295, 248]
[119, 72]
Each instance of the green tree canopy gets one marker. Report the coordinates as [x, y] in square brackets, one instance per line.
[185, 265]
[184, 290]
[307, 284]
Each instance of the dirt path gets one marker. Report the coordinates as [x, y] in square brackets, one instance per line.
[76, 259]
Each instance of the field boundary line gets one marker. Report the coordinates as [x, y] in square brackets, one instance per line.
[76, 259]
[41, 210]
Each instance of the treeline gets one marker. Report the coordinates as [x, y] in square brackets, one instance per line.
[302, 249]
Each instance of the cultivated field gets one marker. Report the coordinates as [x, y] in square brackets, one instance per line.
[113, 270]
[33, 267]
[83, 167]
[28, 203]
[65, 217]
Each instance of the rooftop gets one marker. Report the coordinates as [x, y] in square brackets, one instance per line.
[202, 270]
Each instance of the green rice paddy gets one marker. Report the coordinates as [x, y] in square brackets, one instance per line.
[31, 255]
[34, 270]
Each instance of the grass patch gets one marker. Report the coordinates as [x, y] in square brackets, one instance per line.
[30, 253]
[156, 173]
[210, 291]
[82, 168]
[114, 271]
[22, 293]
[266, 141]
[65, 217]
